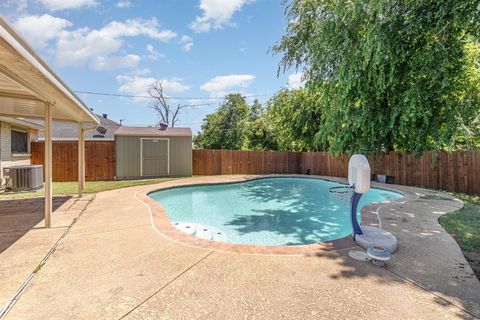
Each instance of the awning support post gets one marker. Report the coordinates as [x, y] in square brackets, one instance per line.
[48, 165]
[81, 160]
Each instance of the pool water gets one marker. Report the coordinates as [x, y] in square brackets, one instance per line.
[267, 211]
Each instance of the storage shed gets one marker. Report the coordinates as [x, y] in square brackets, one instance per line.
[143, 152]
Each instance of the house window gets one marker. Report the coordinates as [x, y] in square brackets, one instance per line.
[19, 141]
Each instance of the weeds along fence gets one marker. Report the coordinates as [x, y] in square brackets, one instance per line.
[451, 171]
[99, 159]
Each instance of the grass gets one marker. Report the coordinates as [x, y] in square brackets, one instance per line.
[464, 226]
[71, 188]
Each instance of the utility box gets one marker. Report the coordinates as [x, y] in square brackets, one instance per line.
[22, 178]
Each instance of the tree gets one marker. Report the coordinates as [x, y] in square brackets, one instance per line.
[227, 127]
[168, 114]
[260, 130]
[394, 74]
[468, 137]
[296, 117]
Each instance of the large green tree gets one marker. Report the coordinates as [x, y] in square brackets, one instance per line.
[295, 117]
[468, 136]
[227, 127]
[394, 74]
[238, 126]
[261, 131]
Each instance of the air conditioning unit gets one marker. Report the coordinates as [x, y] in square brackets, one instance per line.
[24, 177]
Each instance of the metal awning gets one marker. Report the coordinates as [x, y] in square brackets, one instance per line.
[29, 88]
[27, 83]
[21, 123]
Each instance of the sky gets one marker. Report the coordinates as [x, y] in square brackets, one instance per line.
[199, 49]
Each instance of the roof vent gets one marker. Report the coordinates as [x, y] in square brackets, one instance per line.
[105, 115]
[163, 126]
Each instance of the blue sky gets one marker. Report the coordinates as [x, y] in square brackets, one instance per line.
[200, 49]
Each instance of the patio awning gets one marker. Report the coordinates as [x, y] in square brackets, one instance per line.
[29, 88]
[21, 122]
[27, 83]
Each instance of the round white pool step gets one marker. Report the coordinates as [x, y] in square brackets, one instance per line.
[186, 227]
[201, 231]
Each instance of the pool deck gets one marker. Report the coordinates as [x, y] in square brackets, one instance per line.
[113, 263]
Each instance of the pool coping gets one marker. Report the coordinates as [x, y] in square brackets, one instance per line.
[161, 222]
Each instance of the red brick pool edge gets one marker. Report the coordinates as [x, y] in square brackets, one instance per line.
[163, 225]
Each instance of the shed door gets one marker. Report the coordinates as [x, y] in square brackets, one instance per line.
[155, 157]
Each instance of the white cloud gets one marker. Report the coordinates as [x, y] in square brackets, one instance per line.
[141, 72]
[115, 62]
[136, 27]
[40, 29]
[55, 5]
[216, 14]
[17, 5]
[84, 45]
[138, 86]
[123, 4]
[218, 86]
[95, 47]
[296, 81]
[153, 54]
[187, 43]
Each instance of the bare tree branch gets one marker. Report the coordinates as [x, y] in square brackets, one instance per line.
[176, 113]
[167, 114]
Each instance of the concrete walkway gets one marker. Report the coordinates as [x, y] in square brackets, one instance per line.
[113, 264]
[24, 241]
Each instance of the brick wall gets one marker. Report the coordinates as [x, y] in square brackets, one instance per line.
[5, 140]
[5, 148]
[6, 158]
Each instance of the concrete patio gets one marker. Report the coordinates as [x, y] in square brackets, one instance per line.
[112, 263]
[24, 241]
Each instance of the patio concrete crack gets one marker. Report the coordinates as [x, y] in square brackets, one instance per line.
[11, 302]
[167, 284]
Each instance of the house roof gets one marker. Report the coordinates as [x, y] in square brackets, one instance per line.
[67, 131]
[153, 132]
[27, 82]
[21, 123]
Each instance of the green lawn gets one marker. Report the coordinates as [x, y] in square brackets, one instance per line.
[464, 226]
[70, 188]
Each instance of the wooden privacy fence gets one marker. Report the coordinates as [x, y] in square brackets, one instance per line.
[99, 159]
[451, 171]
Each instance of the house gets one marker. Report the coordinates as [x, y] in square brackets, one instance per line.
[68, 131]
[15, 137]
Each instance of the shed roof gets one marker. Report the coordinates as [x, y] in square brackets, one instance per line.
[153, 132]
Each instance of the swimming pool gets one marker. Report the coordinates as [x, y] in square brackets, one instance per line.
[266, 211]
